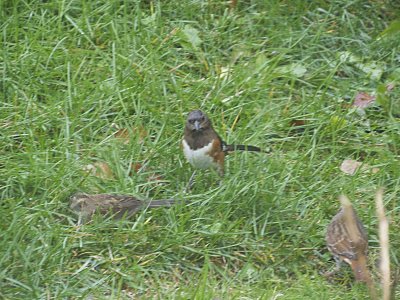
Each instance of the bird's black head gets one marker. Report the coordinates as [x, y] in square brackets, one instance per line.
[197, 121]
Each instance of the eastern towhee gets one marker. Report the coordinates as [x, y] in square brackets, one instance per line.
[347, 240]
[203, 147]
[86, 205]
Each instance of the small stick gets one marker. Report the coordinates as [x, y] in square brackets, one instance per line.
[352, 229]
[384, 243]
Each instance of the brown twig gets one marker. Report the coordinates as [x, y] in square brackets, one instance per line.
[353, 230]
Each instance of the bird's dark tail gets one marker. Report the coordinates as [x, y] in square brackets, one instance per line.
[230, 148]
[130, 208]
[159, 203]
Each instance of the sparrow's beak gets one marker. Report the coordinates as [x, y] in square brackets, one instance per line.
[197, 125]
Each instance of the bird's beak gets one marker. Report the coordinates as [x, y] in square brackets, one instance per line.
[197, 125]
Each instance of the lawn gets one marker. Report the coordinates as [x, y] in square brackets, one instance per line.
[280, 75]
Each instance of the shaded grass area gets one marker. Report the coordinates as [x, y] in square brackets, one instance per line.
[72, 72]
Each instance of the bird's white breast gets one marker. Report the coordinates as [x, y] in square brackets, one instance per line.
[199, 158]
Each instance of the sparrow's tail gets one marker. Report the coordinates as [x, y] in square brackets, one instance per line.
[362, 274]
[230, 148]
[360, 269]
[159, 203]
[131, 207]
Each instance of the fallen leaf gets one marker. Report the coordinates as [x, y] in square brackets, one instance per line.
[136, 168]
[297, 126]
[155, 178]
[350, 166]
[363, 100]
[99, 169]
[297, 122]
[125, 135]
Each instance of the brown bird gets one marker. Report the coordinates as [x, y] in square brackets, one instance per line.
[86, 205]
[203, 147]
[347, 240]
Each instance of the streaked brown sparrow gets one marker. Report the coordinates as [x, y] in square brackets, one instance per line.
[347, 240]
[86, 205]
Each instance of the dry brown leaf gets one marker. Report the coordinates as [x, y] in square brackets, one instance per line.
[155, 178]
[99, 169]
[139, 167]
[297, 122]
[350, 166]
[363, 100]
[136, 167]
[124, 134]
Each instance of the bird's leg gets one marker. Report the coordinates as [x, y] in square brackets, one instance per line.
[221, 173]
[191, 182]
[338, 263]
[80, 221]
[334, 271]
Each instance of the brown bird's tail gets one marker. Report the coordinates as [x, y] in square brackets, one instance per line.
[360, 269]
[160, 203]
[362, 274]
[230, 148]
[131, 208]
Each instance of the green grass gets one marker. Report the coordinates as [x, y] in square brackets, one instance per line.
[73, 69]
